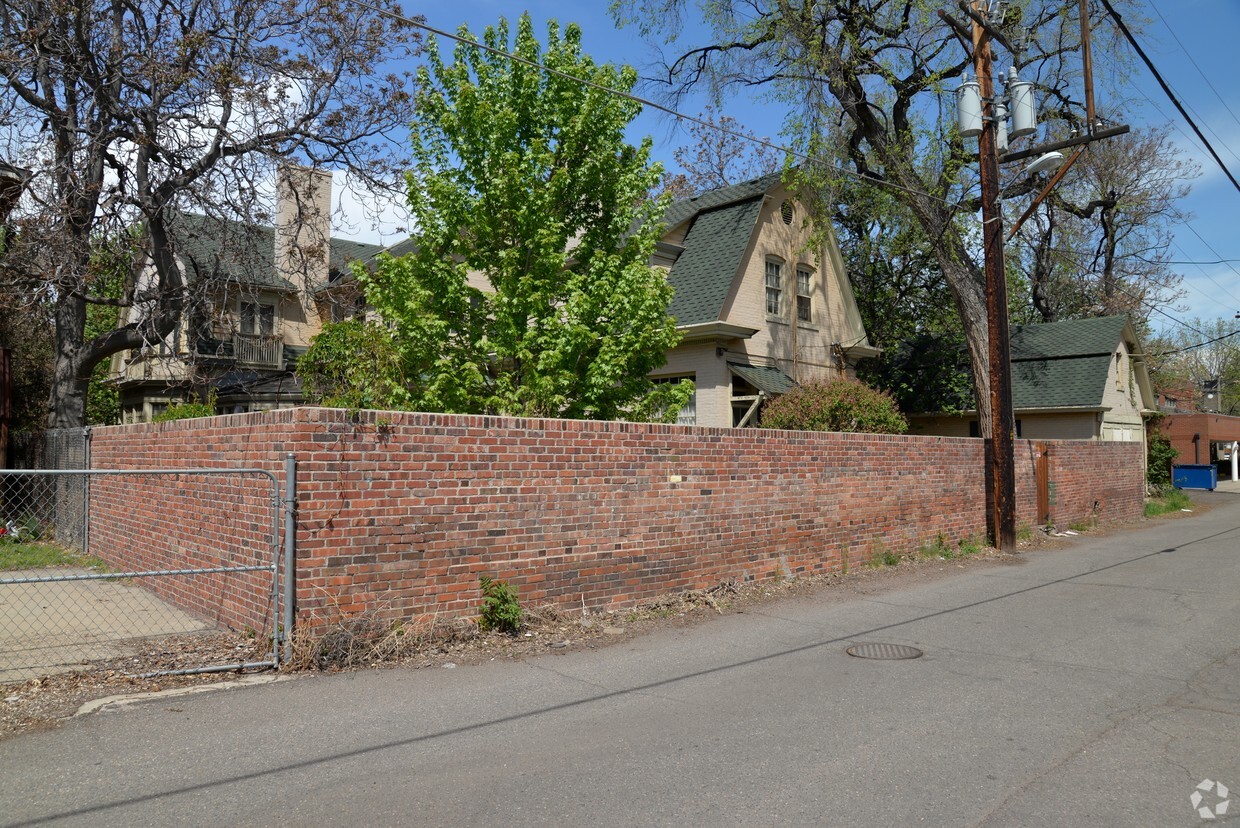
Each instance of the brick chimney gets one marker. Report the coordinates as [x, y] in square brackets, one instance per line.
[303, 225]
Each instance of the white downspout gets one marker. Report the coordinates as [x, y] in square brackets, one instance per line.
[1235, 460]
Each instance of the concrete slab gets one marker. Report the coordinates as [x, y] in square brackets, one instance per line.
[55, 626]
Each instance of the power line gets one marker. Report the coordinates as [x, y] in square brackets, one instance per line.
[643, 101]
[1199, 344]
[1186, 261]
[1167, 89]
[1191, 60]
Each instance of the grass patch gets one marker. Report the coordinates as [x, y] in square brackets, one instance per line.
[18, 555]
[1024, 532]
[941, 547]
[881, 556]
[1173, 501]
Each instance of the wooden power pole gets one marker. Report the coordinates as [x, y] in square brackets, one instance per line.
[1002, 422]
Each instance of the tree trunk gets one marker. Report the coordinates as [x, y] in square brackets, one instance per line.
[66, 407]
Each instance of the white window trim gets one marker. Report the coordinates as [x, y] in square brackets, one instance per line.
[808, 295]
[767, 287]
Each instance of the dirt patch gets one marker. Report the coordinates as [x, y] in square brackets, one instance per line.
[43, 702]
[363, 641]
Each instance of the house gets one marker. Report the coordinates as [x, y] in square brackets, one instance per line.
[761, 307]
[254, 300]
[1081, 379]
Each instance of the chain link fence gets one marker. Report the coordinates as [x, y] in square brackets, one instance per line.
[103, 568]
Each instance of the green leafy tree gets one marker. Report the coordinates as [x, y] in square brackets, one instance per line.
[839, 405]
[353, 364]
[525, 179]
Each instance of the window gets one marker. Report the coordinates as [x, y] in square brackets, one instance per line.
[804, 281]
[258, 320]
[774, 287]
[688, 414]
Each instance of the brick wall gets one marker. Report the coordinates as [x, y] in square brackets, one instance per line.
[401, 512]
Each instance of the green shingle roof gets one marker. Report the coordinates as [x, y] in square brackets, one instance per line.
[245, 253]
[1070, 338]
[770, 380]
[703, 274]
[723, 221]
[1063, 364]
[687, 208]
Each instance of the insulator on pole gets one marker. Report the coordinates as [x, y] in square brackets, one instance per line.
[1001, 128]
[1024, 112]
[969, 108]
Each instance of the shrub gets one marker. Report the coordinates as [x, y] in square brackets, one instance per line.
[500, 608]
[839, 405]
[187, 410]
[1159, 456]
[353, 364]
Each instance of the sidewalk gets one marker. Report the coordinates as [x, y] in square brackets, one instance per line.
[1098, 684]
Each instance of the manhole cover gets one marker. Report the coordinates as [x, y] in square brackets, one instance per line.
[888, 651]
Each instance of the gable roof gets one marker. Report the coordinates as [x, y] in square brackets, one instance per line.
[723, 221]
[1064, 364]
[244, 253]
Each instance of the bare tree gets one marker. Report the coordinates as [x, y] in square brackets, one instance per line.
[867, 82]
[719, 153]
[1100, 243]
[129, 113]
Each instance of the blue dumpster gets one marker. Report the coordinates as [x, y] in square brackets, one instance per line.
[1194, 476]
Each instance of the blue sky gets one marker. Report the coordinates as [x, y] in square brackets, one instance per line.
[1210, 29]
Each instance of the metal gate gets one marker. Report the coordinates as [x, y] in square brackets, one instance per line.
[143, 572]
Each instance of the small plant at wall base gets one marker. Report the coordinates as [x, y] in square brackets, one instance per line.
[1173, 501]
[500, 608]
[840, 405]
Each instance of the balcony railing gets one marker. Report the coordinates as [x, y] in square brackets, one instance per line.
[259, 351]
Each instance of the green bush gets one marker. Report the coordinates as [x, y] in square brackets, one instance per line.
[353, 364]
[188, 410]
[500, 608]
[839, 405]
[1159, 457]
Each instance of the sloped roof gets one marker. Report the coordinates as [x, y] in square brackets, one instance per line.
[702, 275]
[770, 380]
[245, 253]
[1063, 364]
[687, 208]
[723, 221]
[1070, 338]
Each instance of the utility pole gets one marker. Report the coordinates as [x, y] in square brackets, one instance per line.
[979, 113]
[1002, 421]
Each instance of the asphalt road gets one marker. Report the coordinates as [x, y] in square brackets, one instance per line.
[1097, 685]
